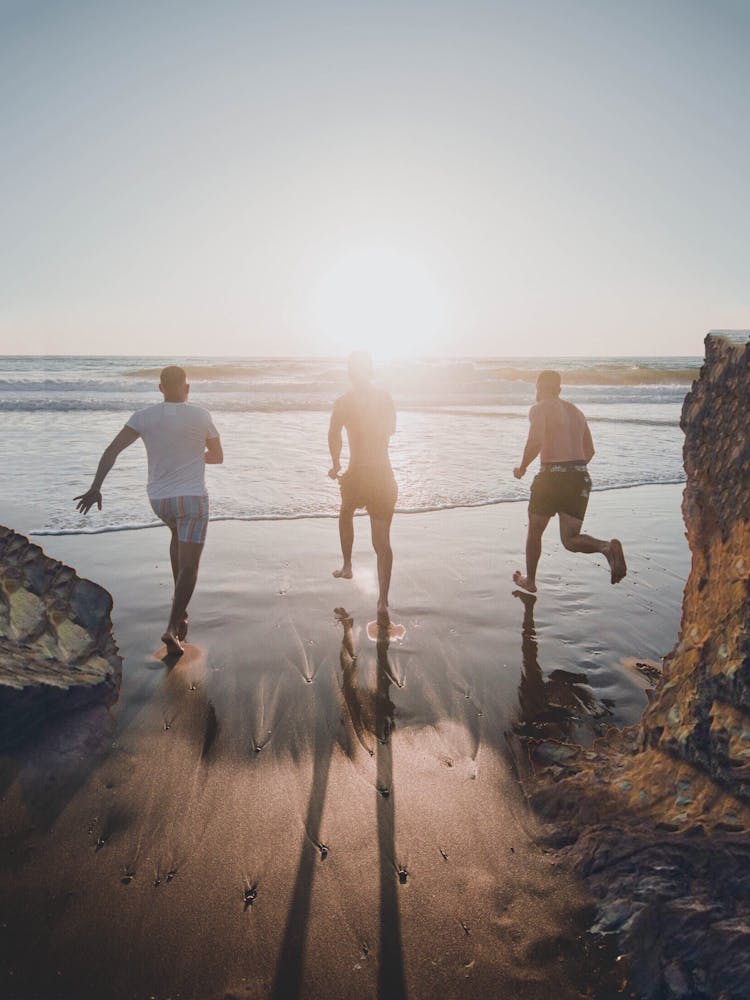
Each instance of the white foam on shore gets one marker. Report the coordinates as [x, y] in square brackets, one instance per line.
[328, 516]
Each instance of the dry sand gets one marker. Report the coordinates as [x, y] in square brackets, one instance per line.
[272, 815]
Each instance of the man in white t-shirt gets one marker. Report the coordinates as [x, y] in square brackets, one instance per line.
[180, 441]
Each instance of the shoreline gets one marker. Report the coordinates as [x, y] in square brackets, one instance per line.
[263, 518]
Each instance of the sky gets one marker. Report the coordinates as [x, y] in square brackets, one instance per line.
[414, 178]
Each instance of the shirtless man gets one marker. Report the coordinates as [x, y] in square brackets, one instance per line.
[180, 441]
[560, 435]
[369, 416]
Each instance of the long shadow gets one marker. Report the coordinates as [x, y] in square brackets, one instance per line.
[391, 982]
[288, 978]
[372, 718]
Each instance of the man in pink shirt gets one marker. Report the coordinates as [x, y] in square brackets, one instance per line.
[560, 435]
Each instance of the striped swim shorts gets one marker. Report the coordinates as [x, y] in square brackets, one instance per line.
[187, 515]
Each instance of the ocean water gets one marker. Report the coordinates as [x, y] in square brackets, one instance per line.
[461, 428]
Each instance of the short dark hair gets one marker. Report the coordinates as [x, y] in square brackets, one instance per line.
[550, 381]
[172, 378]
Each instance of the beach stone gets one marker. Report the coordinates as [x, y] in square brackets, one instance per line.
[656, 818]
[57, 651]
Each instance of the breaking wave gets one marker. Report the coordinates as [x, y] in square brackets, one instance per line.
[605, 373]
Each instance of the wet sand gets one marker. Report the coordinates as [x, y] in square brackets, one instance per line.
[293, 809]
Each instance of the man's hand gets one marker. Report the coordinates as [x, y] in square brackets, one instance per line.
[519, 472]
[87, 500]
[333, 472]
[93, 495]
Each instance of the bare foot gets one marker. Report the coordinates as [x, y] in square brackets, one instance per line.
[383, 618]
[616, 559]
[172, 642]
[183, 629]
[521, 581]
[345, 573]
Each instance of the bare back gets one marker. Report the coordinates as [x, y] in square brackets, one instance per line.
[565, 432]
[369, 416]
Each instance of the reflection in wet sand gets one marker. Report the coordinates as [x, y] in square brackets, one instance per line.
[558, 707]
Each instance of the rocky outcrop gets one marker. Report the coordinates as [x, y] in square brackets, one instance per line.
[57, 653]
[657, 818]
[702, 710]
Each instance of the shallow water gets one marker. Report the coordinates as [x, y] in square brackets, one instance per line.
[461, 429]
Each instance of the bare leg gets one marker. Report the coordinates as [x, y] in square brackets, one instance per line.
[537, 524]
[174, 553]
[346, 534]
[189, 555]
[174, 558]
[575, 541]
[381, 542]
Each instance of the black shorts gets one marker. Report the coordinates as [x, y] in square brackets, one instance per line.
[376, 491]
[560, 489]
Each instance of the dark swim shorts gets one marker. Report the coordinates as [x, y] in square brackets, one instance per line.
[376, 491]
[561, 488]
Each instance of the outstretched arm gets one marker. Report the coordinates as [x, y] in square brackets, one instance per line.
[334, 442]
[93, 494]
[533, 442]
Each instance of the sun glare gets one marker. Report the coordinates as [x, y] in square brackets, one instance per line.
[381, 301]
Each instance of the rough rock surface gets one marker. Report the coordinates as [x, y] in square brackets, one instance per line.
[701, 712]
[657, 818]
[57, 653]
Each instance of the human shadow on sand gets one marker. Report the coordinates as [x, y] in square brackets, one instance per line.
[372, 718]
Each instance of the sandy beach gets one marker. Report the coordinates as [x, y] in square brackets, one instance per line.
[293, 809]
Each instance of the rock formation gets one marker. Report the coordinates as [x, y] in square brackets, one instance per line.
[657, 818]
[57, 653]
[702, 710]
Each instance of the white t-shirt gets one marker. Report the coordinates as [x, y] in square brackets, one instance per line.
[175, 436]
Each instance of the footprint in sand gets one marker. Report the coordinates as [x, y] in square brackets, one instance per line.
[259, 745]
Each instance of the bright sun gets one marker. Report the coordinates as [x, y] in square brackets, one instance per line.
[381, 301]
